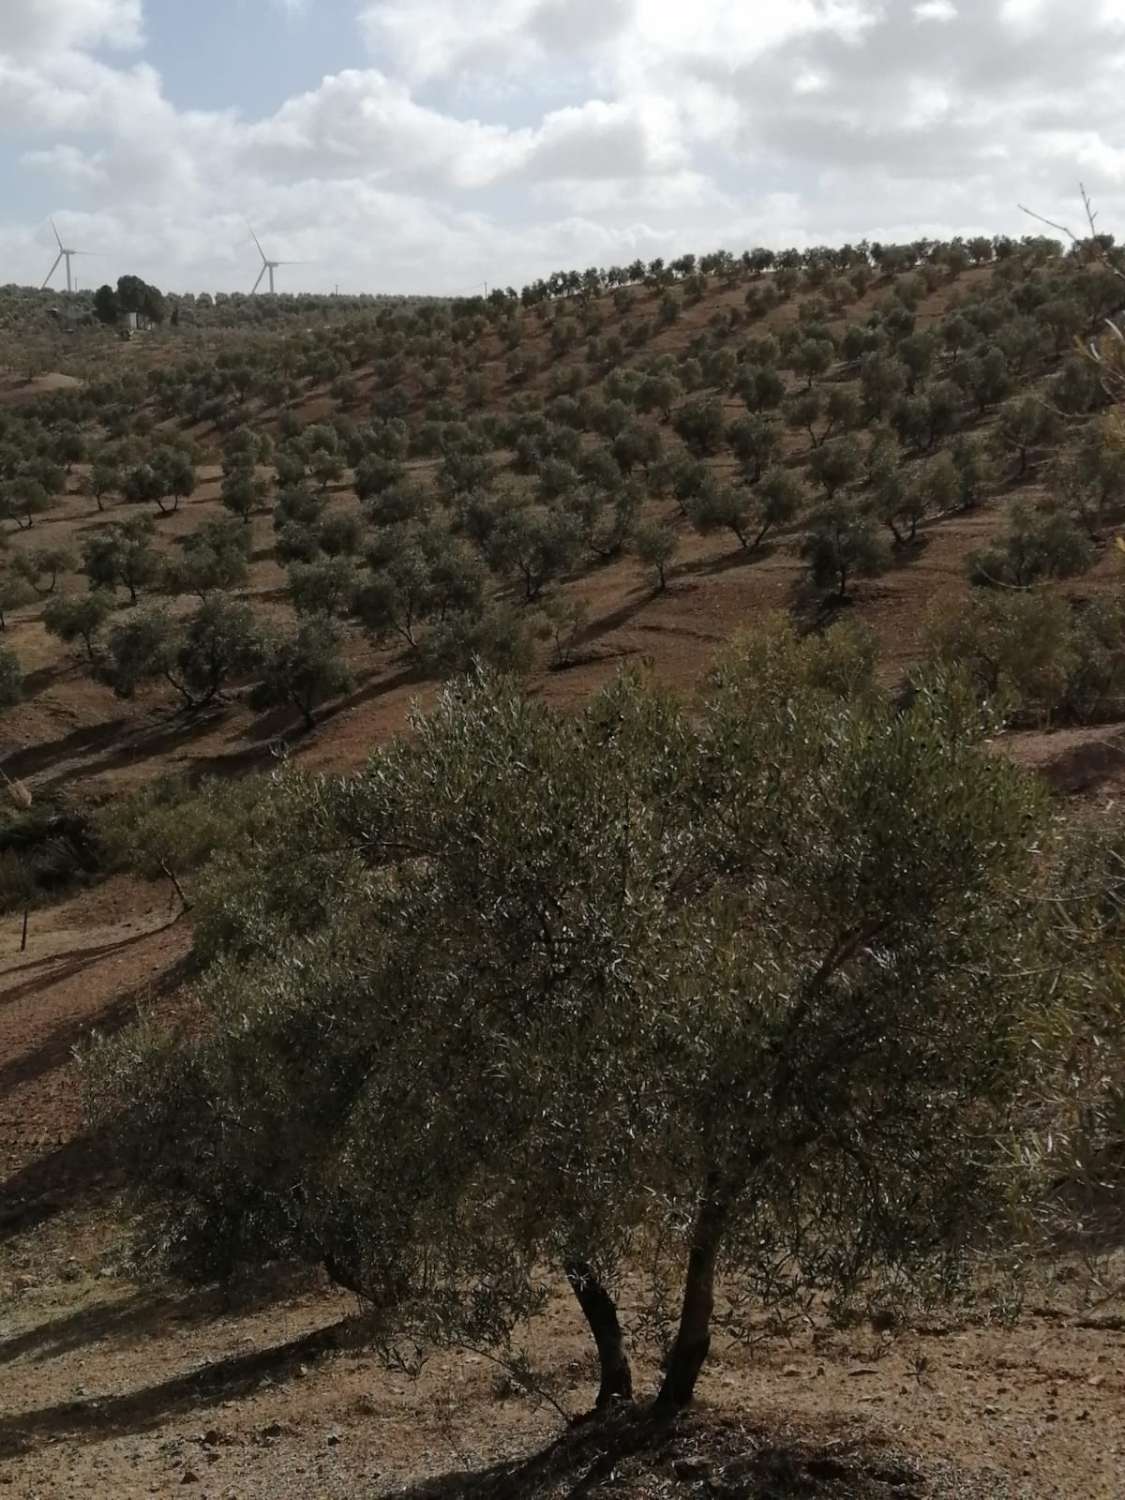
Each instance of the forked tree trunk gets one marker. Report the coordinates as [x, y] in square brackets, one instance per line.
[693, 1336]
[601, 1314]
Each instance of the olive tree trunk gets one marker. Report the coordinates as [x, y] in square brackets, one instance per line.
[601, 1314]
[693, 1336]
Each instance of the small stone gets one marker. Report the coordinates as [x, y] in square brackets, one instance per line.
[691, 1468]
[791, 1370]
[189, 1477]
[334, 1437]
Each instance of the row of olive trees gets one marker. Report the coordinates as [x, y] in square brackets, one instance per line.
[202, 654]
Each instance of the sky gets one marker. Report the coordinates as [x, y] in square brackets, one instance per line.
[438, 145]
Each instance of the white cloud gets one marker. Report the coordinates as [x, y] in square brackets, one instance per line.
[35, 27]
[428, 39]
[500, 139]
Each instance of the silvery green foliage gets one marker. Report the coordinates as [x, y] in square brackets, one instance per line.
[745, 974]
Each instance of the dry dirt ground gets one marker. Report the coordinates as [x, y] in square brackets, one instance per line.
[108, 1388]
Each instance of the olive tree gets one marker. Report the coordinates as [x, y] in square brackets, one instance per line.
[11, 678]
[842, 544]
[79, 617]
[122, 556]
[654, 545]
[655, 985]
[197, 656]
[1038, 544]
[303, 668]
[22, 499]
[535, 544]
[165, 479]
[1017, 648]
[751, 513]
[835, 464]
[15, 592]
[103, 479]
[40, 567]
[1025, 426]
[243, 491]
[420, 578]
[700, 425]
[755, 441]
[215, 556]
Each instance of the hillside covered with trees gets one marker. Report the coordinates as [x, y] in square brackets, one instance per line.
[610, 750]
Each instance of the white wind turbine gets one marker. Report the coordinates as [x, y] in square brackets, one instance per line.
[269, 266]
[64, 254]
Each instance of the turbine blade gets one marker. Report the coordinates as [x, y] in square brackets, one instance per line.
[258, 283]
[55, 228]
[52, 271]
[257, 242]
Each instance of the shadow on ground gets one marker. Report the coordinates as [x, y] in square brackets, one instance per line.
[634, 1455]
[137, 1411]
[148, 1314]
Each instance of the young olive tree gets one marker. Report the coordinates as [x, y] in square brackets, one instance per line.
[652, 984]
[654, 545]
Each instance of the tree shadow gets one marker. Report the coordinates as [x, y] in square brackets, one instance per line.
[740, 557]
[905, 554]
[139, 1411]
[614, 619]
[58, 1047]
[37, 682]
[67, 965]
[83, 1168]
[89, 738]
[636, 1451]
[279, 725]
[147, 1314]
[175, 733]
[79, 1170]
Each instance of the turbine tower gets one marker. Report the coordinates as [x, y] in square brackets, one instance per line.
[269, 266]
[64, 254]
